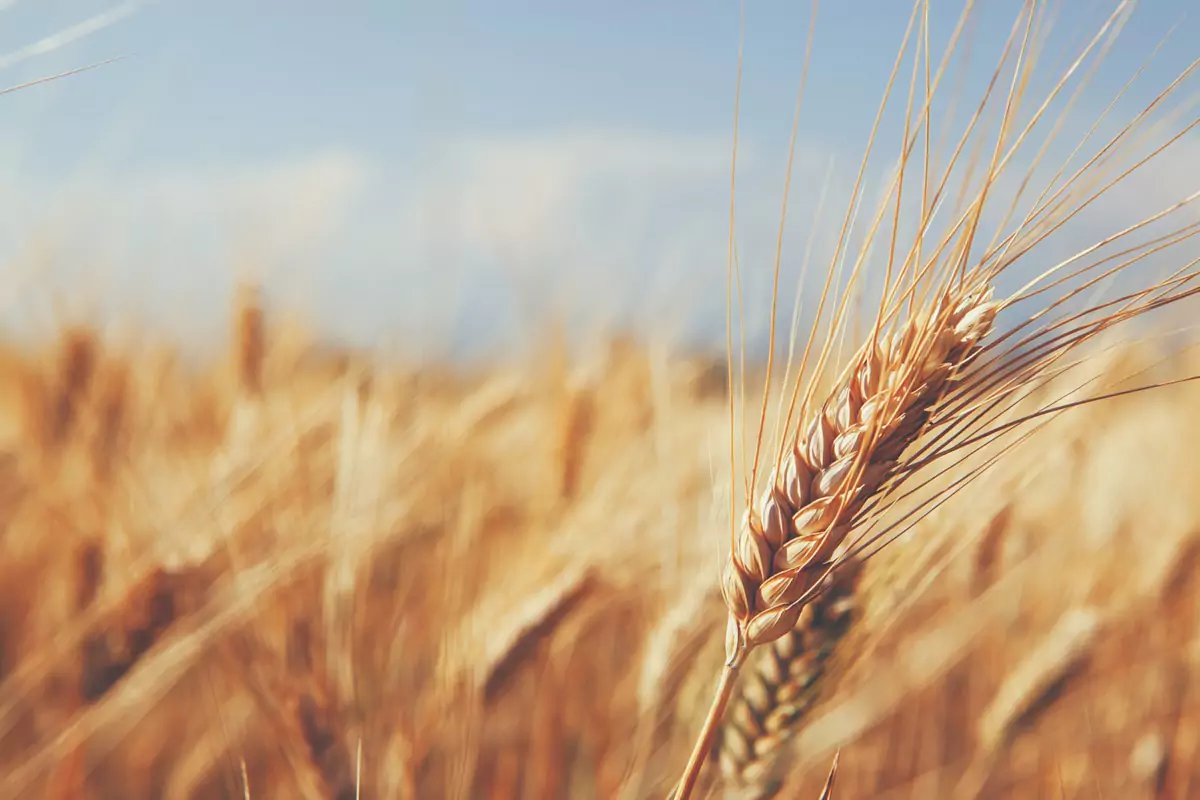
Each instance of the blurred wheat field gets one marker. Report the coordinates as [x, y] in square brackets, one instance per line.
[293, 574]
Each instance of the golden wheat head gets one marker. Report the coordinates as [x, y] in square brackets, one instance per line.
[850, 447]
[932, 368]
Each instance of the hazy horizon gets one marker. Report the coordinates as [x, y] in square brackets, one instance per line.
[404, 174]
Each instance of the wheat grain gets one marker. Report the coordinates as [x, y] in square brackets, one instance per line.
[672, 646]
[76, 364]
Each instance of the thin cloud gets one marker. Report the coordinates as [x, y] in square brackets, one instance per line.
[67, 36]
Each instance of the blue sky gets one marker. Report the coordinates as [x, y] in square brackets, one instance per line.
[432, 172]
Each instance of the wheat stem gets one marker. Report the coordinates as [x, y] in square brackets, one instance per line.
[704, 742]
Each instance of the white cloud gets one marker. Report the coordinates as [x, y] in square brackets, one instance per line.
[60, 39]
[136, 242]
[597, 226]
[530, 194]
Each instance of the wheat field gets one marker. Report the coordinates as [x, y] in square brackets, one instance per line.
[287, 570]
[293, 574]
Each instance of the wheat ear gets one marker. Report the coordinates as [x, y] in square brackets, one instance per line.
[785, 547]
[778, 583]
[849, 448]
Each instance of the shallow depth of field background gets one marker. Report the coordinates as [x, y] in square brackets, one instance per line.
[438, 511]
